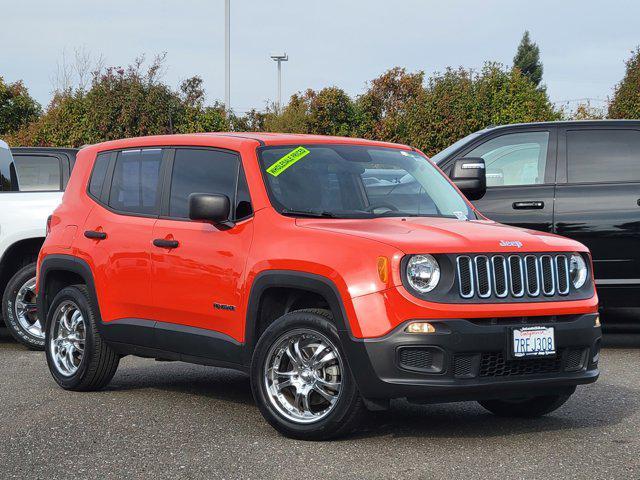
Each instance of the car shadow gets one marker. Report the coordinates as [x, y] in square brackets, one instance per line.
[470, 420]
[456, 420]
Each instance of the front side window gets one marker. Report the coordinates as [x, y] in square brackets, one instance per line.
[351, 181]
[514, 159]
[29, 173]
[202, 171]
[135, 187]
[596, 156]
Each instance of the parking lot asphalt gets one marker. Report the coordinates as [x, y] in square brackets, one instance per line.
[173, 420]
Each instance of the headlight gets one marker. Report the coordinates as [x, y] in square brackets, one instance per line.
[577, 270]
[423, 273]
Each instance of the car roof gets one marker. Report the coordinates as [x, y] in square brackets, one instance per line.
[236, 139]
[71, 151]
[604, 122]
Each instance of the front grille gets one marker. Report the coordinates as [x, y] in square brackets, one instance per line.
[494, 364]
[498, 364]
[496, 276]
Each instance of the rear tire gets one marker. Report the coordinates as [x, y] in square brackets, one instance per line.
[19, 308]
[527, 408]
[78, 358]
[313, 396]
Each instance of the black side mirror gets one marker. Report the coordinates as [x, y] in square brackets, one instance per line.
[470, 177]
[209, 208]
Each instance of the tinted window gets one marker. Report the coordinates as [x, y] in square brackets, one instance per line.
[98, 174]
[135, 186]
[243, 200]
[201, 171]
[603, 155]
[29, 173]
[514, 159]
[6, 161]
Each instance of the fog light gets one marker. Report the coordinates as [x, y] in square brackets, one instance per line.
[420, 327]
[597, 321]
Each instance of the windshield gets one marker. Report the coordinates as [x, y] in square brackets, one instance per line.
[347, 181]
[438, 157]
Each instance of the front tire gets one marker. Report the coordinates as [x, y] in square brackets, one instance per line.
[19, 308]
[525, 408]
[300, 378]
[78, 358]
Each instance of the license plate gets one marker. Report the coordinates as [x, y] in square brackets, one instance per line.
[533, 342]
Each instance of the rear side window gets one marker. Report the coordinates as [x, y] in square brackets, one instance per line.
[135, 187]
[201, 171]
[98, 175]
[598, 156]
[29, 173]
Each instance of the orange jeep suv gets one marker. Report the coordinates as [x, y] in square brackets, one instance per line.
[338, 273]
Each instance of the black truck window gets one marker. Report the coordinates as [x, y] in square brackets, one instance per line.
[600, 156]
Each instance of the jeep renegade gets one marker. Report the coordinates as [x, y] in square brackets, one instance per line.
[338, 273]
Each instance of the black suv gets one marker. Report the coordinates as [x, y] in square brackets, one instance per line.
[578, 179]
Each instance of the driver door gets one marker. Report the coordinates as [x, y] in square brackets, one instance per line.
[521, 170]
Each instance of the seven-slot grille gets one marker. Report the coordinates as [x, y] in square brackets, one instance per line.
[500, 276]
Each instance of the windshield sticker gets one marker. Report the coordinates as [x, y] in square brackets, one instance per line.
[288, 160]
[461, 216]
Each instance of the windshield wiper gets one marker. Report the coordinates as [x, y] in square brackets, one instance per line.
[307, 213]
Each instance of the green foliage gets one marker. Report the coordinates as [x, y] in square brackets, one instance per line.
[626, 97]
[17, 107]
[527, 59]
[383, 111]
[120, 103]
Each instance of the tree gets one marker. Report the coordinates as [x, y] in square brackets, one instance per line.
[626, 97]
[17, 107]
[527, 59]
[458, 102]
[382, 110]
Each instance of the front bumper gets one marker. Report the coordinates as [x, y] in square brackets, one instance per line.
[470, 359]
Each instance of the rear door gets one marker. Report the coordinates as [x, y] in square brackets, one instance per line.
[520, 167]
[598, 199]
[116, 238]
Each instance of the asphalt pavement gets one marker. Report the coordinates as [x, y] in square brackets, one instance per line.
[172, 420]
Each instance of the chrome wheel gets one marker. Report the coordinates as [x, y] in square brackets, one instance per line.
[26, 310]
[67, 341]
[303, 376]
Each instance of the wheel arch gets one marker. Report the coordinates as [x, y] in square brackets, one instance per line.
[316, 285]
[60, 271]
[11, 259]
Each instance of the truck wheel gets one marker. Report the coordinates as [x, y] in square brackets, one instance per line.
[19, 308]
[526, 408]
[77, 356]
[301, 380]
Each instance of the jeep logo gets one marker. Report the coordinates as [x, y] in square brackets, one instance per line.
[514, 243]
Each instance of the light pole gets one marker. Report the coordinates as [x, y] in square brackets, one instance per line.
[227, 57]
[279, 57]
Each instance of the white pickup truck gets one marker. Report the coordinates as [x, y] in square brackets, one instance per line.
[31, 184]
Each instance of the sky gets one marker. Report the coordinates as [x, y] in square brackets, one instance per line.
[583, 43]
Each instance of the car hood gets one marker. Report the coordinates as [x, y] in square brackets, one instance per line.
[445, 235]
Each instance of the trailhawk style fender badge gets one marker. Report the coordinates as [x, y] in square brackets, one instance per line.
[289, 159]
[513, 243]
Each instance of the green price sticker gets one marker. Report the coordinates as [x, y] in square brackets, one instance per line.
[288, 160]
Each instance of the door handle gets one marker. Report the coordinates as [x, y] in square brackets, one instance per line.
[533, 205]
[163, 243]
[94, 235]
